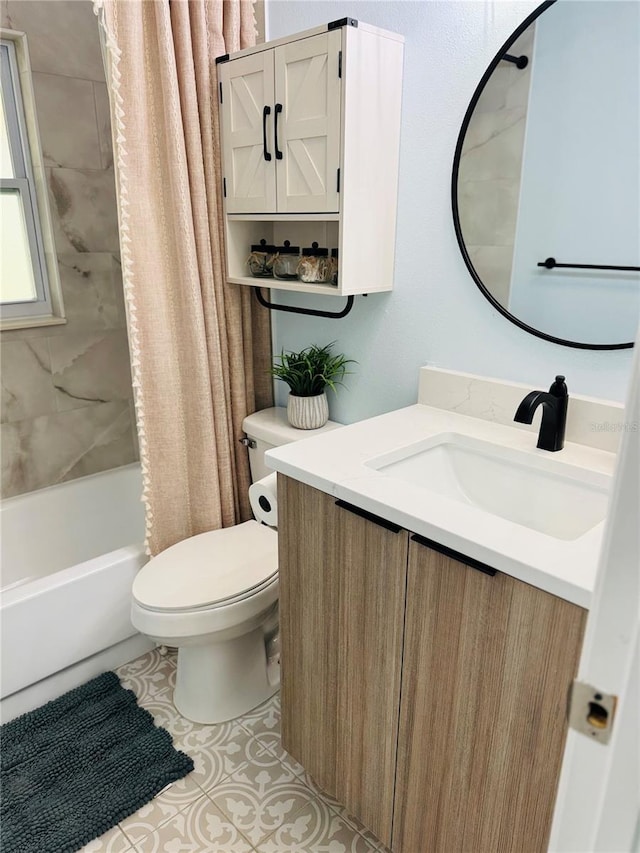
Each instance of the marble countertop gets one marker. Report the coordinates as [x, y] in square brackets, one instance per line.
[336, 463]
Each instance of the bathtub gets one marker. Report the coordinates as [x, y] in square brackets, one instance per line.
[68, 557]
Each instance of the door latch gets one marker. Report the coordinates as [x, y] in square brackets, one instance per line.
[591, 712]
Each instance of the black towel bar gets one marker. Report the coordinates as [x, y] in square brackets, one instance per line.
[310, 312]
[551, 263]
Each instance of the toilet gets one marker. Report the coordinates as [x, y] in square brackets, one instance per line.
[215, 597]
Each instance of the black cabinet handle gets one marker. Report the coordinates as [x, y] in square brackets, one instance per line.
[455, 555]
[381, 522]
[265, 112]
[275, 131]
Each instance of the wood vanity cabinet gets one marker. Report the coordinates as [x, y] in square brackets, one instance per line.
[427, 696]
[488, 663]
[310, 138]
[342, 590]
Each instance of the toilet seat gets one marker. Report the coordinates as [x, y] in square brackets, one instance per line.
[209, 571]
[225, 602]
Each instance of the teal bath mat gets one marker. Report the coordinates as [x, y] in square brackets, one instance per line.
[75, 767]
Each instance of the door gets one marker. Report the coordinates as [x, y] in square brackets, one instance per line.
[597, 807]
[247, 133]
[307, 120]
[488, 662]
[342, 585]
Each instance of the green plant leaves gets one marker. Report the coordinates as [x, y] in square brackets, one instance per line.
[311, 370]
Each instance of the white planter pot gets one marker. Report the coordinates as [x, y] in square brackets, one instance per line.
[308, 412]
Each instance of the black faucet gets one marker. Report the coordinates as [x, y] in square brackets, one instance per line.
[554, 414]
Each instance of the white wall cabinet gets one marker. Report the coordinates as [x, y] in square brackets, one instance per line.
[310, 131]
[281, 114]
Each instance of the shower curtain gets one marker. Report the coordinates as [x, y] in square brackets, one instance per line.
[200, 349]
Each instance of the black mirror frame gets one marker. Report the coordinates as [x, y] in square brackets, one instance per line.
[454, 197]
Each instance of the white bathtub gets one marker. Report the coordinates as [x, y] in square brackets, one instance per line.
[69, 556]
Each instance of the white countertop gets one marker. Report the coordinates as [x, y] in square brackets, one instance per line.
[335, 463]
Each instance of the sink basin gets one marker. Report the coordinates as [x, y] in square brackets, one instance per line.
[542, 493]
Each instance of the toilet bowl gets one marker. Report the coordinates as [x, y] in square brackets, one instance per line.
[215, 597]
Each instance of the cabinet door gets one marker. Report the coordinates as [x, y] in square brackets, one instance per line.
[308, 125]
[488, 664]
[342, 584]
[247, 89]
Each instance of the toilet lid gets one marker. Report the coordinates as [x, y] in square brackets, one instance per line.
[209, 569]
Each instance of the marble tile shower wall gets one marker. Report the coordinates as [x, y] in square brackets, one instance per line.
[67, 407]
[490, 170]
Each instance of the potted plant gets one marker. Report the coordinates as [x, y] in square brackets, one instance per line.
[308, 373]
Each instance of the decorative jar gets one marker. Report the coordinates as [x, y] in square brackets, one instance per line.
[334, 266]
[285, 261]
[315, 265]
[260, 260]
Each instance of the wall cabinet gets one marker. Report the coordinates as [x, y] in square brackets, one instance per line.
[310, 134]
[426, 695]
[281, 114]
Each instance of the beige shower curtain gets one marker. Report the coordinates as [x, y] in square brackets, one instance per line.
[200, 350]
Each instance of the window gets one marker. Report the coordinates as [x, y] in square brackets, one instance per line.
[29, 287]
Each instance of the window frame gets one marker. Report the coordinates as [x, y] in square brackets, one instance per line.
[19, 106]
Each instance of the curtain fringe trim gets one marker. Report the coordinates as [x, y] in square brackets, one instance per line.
[120, 153]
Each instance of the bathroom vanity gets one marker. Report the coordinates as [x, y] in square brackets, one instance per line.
[429, 642]
[423, 693]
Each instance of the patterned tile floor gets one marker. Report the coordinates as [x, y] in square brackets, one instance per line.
[245, 794]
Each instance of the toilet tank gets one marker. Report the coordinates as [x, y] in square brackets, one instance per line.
[270, 428]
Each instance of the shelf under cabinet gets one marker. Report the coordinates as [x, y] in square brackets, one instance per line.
[283, 217]
[276, 284]
[244, 230]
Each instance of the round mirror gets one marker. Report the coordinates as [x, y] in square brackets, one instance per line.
[546, 175]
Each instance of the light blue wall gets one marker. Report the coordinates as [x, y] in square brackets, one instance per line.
[580, 190]
[436, 314]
